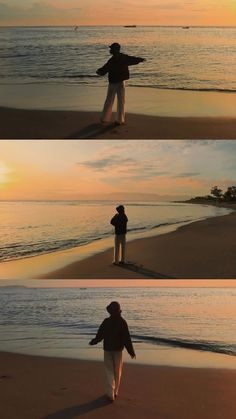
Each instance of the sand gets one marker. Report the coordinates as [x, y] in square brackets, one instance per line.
[35, 387]
[55, 124]
[201, 250]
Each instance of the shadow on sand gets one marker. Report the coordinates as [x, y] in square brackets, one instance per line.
[130, 266]
[75, 411]
[93, 131]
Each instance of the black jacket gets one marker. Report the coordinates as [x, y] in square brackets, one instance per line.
[118, 67]
[119, 221]
[115, 335]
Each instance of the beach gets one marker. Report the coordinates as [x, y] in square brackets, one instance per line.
[44, 111]
[200, 250]
[43, 124]
[53, 388]
[49, 87]
[190, 252]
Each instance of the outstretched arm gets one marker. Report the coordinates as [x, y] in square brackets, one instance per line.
[134, 60]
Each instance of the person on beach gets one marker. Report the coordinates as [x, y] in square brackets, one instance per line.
[119, 221]
[115, 334]
[117, 68]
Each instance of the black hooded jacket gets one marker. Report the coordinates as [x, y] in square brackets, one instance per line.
[119, 221]
[115, 335]
[118, 67]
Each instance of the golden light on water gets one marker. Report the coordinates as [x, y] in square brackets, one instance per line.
[4, 174]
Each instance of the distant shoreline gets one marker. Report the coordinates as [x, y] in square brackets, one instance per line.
[209, 202]
[117, 26]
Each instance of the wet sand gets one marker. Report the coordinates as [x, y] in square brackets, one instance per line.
[35, 387]
[201, 250]
[56, 124]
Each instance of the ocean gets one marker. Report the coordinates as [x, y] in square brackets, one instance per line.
[166, 324]
[198, 59]
[31, 228]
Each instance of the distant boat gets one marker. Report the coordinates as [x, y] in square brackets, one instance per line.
[185, 27]
[75, 28]
[130, 26]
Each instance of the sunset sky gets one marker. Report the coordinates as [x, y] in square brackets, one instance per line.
[118, 12]
[44, 169]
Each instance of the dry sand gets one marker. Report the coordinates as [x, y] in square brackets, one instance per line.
[43, 124]
[50, 388]
[201, 250]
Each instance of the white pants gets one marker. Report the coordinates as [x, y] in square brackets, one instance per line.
[113, 361]
[113, 90]
[119, 249]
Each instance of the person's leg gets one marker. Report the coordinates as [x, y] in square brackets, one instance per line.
[123, 244]
[110, 376]
[118, 364]
[107, 108]
[116, 249]
[121, 103]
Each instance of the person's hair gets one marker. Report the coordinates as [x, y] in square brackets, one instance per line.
[115, 46]
[113, 308]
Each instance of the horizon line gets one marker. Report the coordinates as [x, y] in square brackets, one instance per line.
[121, 25]
[73, 200]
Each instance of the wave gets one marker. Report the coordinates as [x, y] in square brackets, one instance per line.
[141, 228]
[28, 250]
[193, 89]
[16, 251]
[39, 79]
[14, 56]
[188, 344]
[174, 222]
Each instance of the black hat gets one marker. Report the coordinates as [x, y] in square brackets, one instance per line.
[120, 208]
[115, 45]
[113, 308]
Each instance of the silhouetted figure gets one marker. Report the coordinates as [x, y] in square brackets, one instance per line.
[119, 221]
[118, 71]
[114, 332]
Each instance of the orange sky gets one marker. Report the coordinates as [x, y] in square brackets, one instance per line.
[92, 169]
[118, 12]
[215, 283]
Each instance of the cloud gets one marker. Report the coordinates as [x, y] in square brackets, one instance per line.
[104, 163]
[149, 5]
[186, 175]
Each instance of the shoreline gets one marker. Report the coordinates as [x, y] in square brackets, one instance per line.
[58, 124]
[141, 100]
[192, 252]
[60, 111]
[74, 388]
[49, 265]
[49, 261]
[192, 247]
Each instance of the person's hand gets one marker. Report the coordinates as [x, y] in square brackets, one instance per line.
[98, 72]
[91, 342]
